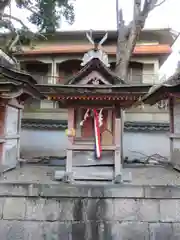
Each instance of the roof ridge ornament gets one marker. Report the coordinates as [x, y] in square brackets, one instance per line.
[97, 51]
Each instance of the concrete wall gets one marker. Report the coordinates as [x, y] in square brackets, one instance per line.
[43, 143]
[71, 212]
[146, 143]
[53, 143]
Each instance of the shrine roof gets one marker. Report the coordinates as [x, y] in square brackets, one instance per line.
[94, 84]
[95, 64]
[162, 91]
[92, 89]
[15, 81]
[74, 86]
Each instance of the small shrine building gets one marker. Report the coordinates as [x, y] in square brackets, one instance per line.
[95, 99]
[169, 92]
[15, 88]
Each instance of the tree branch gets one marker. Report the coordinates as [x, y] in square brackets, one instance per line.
[4, 15]
[14, 42]
[159, 4]
[26, 31]
[32, 10]
[3, 4]
[25, 27]
[149, 5]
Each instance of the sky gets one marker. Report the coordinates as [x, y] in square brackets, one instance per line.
[101, 14]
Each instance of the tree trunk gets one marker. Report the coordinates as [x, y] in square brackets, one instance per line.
[128, 35]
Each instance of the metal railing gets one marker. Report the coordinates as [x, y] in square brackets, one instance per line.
[46, 79]
[134, 79]
[143, 78]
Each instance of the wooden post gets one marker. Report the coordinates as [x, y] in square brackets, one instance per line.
[121, 135]
[18, 133]
[2, 131]
[117, 138]
[70, 140]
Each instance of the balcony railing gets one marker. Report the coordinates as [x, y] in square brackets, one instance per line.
[133, 79]
[143, 78]
[46, 79]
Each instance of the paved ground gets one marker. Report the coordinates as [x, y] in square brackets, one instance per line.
[140, 176]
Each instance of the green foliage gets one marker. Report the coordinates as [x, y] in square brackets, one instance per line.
[47, 14]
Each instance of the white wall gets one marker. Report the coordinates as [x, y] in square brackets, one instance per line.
[146, 143]
[43, 143]
[53, 143]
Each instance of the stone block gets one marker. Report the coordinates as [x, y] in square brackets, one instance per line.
[136, 210]
[160, 231]
[78, 231]
[124, 192]
[35, 209]
[125, 209]
[98, 209]
[51, 210]
[66, 209]
[14, 208]
[33, 230]
[101, 230]
[12, 190]
[148, 210]
[176, 231]
[170, 210]
[129, 231]
[57, 231]
[162, 192]
[79, 210]
[96, 192]
[1, 207]
[33, 190]
[91, 230]
[12, 230]
[109, 230]
[18, 189]
[63, 190]
[41, 209]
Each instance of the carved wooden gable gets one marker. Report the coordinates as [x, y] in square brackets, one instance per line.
[95, 72]
[94, 78]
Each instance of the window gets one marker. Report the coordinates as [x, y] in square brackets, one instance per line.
[135, 72]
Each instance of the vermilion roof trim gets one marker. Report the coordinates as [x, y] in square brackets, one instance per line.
[68, 49]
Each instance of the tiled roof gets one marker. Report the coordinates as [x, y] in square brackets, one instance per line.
[156, 93]
[48, 124]
[174, 80]
[111, 50]
[16, 79]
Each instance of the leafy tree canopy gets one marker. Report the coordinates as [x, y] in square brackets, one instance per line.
[45, 14]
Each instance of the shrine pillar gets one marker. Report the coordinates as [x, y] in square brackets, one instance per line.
[118, 145]
[71, 116]
[2, 130]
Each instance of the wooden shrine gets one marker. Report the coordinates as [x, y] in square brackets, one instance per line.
[169, 92]
[95, 98]
[15, 88]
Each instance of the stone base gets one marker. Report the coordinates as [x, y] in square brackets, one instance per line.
[100, 176]
[112, 212]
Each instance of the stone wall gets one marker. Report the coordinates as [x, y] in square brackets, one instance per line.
[72, 212]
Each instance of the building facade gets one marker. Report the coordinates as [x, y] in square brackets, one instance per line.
[54, 60]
